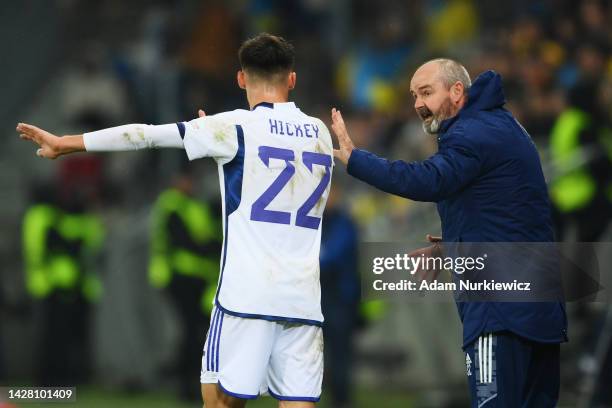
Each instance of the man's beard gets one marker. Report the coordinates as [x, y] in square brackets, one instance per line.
[432, 126]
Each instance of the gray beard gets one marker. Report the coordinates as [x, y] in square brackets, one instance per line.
[433, 127]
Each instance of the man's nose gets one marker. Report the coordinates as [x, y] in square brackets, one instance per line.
[418, 103]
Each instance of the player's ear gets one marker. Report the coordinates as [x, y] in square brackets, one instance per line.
[291, 80]
[240, 77]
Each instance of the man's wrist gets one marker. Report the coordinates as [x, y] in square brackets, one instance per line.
[348, 155]
[70, 144]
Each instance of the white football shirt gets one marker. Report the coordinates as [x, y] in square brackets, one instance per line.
[275, 165]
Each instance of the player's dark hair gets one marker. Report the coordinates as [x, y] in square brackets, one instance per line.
[266, 56]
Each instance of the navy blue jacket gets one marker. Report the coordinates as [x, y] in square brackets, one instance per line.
[487, 181]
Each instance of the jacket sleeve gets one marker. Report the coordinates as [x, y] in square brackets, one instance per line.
[453, 167]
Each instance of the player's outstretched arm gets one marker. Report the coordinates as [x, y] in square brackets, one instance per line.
[115, 139]
[120, 138]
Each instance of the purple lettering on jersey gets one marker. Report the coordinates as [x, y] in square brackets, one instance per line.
[307, 130]
[302, 218]
[298, 131]
[280, 127]
[258, 210]
[287, 130]
[273, 126]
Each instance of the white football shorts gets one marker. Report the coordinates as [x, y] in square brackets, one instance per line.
[248, 357]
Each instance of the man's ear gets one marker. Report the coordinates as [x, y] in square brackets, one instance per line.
[456, 92]
[241, 79]
[291, 80]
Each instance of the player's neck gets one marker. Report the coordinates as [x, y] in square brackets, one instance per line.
[264, 93]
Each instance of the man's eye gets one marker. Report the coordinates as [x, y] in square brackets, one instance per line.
[426, 93]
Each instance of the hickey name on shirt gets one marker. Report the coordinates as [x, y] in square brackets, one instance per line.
[279, 127]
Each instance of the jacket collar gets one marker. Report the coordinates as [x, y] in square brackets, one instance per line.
[485, 93]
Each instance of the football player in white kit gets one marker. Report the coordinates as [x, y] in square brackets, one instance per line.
[275, 165]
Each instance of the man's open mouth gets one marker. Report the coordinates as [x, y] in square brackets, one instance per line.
[425, 114]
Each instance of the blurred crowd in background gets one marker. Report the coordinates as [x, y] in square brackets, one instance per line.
[88, 65]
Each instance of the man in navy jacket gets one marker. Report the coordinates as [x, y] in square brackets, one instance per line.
[487, 182]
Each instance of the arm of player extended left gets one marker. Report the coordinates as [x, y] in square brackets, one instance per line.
[135, 137]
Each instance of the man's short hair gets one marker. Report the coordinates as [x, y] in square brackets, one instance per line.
[266, 56]
[452, 72]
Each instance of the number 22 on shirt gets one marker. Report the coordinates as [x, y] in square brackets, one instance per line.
[310, 159]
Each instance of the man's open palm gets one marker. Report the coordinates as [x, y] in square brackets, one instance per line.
[47, 142]
[345, 144]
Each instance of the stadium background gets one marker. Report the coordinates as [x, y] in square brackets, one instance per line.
[68, 64]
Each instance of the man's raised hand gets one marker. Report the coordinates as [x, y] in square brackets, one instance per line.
[345, 144]
[49, 144]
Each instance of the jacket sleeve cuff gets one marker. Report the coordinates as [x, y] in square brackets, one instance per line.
[357, 164]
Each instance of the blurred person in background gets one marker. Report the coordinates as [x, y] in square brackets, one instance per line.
[581, 153]
[340, 295]
[185, 246]
[487, 181]
[92, 96]
[61, 241]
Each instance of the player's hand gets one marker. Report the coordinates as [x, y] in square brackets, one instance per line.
[201, 113]
[49, 144]
[345, 144]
